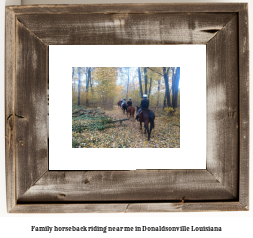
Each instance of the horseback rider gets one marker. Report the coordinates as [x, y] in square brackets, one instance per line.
[123, 102]
[129, 103]
[144, 105]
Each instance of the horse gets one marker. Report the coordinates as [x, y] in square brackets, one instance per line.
[119, 103]
[131, 110]
[124, 107]
[147, 116]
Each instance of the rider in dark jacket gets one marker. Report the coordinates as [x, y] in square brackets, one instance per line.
[129, 103]
[144, 105]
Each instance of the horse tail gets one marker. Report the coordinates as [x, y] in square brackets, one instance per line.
[151, 119]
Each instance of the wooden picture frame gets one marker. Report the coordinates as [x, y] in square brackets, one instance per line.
[222, 186]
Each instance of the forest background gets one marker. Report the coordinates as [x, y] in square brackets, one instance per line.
[105, 86]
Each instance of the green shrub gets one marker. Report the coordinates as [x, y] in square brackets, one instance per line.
[172, 112]
[75, 143]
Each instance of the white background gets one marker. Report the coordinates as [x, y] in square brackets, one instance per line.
[235, 224]
[192, 151]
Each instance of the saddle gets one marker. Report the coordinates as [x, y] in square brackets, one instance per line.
[144, 110]
[140, 114]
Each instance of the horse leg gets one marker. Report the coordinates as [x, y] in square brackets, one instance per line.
[140, 126]
[149, 132]
[146, 129]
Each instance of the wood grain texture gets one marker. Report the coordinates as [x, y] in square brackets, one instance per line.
[129, 207]
[222, 107]
[223, 186]
[186, 207]
[9, 109]
[132, 29]
[244, 106]
[139, 185]
[30, 109]
[154, 8]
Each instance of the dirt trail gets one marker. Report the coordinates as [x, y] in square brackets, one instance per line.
[165, 135]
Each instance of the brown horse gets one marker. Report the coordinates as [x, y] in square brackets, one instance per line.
[131, 110]
[147, 116]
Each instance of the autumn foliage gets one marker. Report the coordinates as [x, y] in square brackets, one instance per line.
[105, 86]
[97, 121]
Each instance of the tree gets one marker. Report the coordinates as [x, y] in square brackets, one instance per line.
[149, 91]
[125, 71]
[73, 73]
[156, 74]
[79, 85]
[106, 86]
[88, 71]
[100, 86]
[139, 74]
[166, 80]
[175, 84]
[158, 92]
[88, 79]
[146, 80]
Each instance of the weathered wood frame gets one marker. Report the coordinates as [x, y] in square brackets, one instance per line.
[222, 186]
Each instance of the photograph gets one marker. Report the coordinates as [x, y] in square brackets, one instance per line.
[125, 107]
[185, 155]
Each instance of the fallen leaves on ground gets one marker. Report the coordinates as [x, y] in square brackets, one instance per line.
[166, 133]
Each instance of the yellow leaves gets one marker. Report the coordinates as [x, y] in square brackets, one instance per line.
[166, 134]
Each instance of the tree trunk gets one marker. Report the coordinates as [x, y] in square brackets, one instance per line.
[92, 93]
[87, 79]
[79, 86]
[164, 100]
[73, 70]
[127, 83]
[166, 80]
[175, 83]
[139, 73]
[146, 80]
[87, 86]
[173, 86]
[149, 91]
[158, 96]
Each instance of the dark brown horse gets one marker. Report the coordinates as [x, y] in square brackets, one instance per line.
[147, 116]
[124, 107]
[131, 110]
[119, 103]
